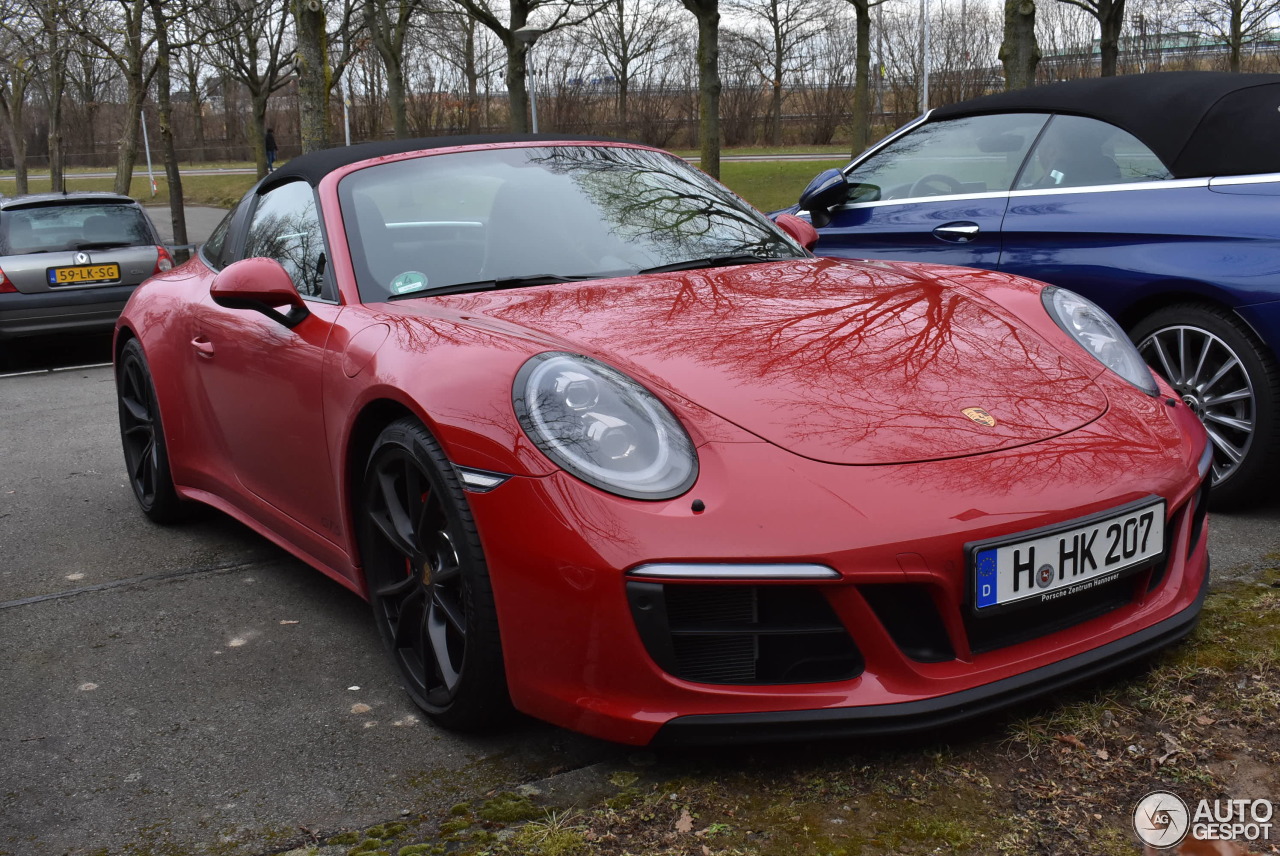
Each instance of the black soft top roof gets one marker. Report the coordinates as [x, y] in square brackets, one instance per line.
[1199, 123]
[314, 166]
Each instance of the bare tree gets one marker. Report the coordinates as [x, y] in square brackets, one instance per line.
[389, 23]
[1235, 23]
[460, 41]
[1066, 34]
[1110, 17]
[1019, 52]
[552, 15]
[707, 14]
[190, 66]
[861, 127]
[777, 30]
[625, 36]
[121, 32]
[826, 78]
[17, 68]
[160, 16]
[89, 83]
[311, 62]
[248, 48]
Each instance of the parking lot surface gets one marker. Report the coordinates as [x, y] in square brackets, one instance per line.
[192, 685]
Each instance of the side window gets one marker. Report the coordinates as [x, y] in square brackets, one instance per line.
[286, 227]
[213, 247]
[1078, 152]
[976, 154]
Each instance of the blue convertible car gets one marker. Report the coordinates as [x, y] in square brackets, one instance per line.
[1157, 196]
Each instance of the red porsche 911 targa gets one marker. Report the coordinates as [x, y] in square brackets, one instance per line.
[600, 442]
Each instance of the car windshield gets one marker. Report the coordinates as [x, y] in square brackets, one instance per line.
[528, 216]
[58, 228]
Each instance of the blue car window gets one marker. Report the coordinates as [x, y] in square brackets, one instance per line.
[1078, 152]
[978, 154]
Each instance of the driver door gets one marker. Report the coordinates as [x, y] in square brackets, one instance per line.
[263, 381]
[936, 194]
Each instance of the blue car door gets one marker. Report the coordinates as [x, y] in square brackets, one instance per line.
[1095, 211]
[937, 193]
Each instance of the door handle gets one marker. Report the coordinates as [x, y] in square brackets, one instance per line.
[203, 347]
[957, 233]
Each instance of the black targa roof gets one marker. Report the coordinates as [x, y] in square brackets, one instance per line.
[314, 166]
[1199, 123]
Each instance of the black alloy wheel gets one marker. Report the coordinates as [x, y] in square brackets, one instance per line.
[1229, 380]
[146, 457]
[428, 583]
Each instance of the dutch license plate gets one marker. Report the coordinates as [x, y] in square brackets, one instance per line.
[1047, 564]
[84, 274]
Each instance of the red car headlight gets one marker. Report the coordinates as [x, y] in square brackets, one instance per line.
[604, 428]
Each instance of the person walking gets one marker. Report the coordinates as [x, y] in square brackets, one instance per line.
[271, 149]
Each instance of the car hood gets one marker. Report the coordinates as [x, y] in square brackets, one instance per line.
[848, 363]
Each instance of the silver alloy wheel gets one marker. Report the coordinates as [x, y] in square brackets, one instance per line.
[1210, 378]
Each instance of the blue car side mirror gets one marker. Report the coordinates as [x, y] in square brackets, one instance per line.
[828, 189]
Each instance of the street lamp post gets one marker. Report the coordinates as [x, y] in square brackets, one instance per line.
[529, 35]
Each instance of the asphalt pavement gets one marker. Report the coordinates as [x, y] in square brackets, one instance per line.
[193, 687]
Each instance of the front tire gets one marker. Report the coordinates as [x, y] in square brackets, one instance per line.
[428, 582]
[146, 457]
[1229, 378]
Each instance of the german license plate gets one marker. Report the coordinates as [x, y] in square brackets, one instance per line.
[1059, 561]
[81, 274]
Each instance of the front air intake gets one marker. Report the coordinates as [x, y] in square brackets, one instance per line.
[743, 634]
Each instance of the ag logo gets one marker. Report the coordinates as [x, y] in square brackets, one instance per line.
[1161, 819]
[982, 417]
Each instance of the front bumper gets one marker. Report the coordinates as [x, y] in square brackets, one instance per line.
[562, 558]
[926, 714]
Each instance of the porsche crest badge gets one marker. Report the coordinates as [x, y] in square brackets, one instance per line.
[982, 417]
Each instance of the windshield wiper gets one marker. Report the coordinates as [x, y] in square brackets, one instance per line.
[709, 262]
[494, 284]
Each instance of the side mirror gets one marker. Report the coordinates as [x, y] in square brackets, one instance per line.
[262, 285]
[828, 189]
[802, 231]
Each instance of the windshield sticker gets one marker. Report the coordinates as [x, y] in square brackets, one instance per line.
[410, 280]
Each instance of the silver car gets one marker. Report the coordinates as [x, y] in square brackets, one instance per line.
[69, 261]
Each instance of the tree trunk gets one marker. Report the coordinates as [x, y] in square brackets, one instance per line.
[396, 96]
[14, 113]
[1237, 34]
[1019, 52]
[861, 125]
[197, 127]
[163, 85]
[56, 83]
[473, 78]
[127, 157]
[1110, 20]
[313, 75]
[517, 93]
[708, 15]
[624, 119]
[775, 100]
[258, 130]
